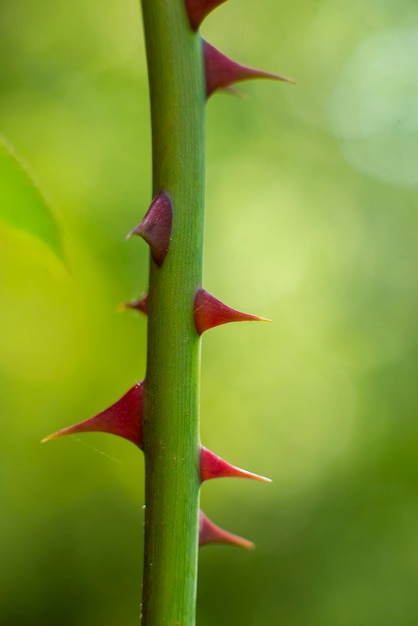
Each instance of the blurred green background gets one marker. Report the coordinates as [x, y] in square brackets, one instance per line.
[312, 220]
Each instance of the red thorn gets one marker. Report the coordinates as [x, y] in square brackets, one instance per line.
[210, 312]
[123, 418]
[212, 466]
[221, 72]
[155, 228]
[141, 304]
[210, 533]
[197, 10]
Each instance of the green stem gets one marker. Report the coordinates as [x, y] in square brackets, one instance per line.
[171, 424]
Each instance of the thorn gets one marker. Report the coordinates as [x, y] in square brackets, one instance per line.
[221, 72]
[210, 312]
[123, 418]
[155, 228]
[197, 10]
[141, 304]
[212, 466]
[210, 533]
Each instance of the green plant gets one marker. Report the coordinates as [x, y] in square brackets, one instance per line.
[161, 414]
[22, 206]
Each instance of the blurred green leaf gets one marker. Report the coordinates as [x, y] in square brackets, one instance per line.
[22, 205]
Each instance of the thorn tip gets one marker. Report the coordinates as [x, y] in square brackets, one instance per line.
[213, 466]
[210, 312]
[140, 304]
[155, 228]
[211, 533]
[221, 72]
[123, 418]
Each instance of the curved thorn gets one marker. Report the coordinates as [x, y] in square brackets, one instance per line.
[221, 71]
[210, 533]
[155, 228]
[213, 466]
[197, 10]
[123, 418]
[210, 312]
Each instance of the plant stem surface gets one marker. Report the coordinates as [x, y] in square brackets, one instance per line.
[171, 421]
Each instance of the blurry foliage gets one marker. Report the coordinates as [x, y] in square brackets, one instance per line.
[312, 221]
[21, 203]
